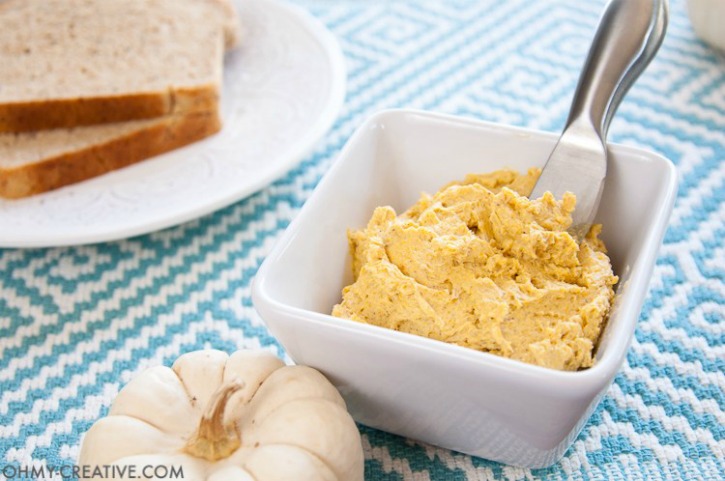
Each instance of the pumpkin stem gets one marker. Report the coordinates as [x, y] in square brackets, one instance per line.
[214, 440]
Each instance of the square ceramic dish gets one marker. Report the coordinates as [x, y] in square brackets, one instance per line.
[450, 396]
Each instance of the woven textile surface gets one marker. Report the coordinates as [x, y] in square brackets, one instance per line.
[77, 323]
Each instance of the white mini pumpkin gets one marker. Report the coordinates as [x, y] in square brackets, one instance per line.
[244, 417]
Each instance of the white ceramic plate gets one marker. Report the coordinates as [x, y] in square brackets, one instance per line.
[282, 90]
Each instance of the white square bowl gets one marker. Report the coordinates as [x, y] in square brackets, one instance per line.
[450, 396]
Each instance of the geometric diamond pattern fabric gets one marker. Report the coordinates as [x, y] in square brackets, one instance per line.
[77, 323]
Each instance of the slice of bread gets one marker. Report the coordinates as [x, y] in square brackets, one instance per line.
[230, 22]
[36, 162]
[66, 63]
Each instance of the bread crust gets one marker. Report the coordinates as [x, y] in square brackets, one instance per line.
[72, 112]
[169, 133]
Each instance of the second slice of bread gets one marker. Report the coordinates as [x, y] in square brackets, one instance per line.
[36, 162]
[67, 63]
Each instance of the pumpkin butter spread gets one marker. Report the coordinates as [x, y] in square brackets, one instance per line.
[480, 265]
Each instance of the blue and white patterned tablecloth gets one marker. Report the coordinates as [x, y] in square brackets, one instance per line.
[77, 323]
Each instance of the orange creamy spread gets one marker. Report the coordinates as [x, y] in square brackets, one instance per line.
[480, 265]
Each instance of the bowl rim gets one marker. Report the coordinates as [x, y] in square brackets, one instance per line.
[569, 383]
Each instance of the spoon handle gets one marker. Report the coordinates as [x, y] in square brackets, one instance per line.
[628, 36]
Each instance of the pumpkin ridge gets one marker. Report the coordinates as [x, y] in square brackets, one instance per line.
[189, 397]
[257, 422]
[98, 445]
[250, 469]
[132, 400]
[258, 433]
[139, 420]
[186, 366]
[298, 373]
[248, 393]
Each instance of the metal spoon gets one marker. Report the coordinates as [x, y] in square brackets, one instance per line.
[629, 34]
